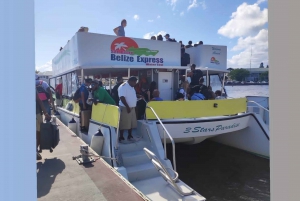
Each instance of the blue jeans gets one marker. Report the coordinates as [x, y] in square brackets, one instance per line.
[47, 107]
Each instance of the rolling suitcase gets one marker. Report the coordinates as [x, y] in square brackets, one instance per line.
[49, 136]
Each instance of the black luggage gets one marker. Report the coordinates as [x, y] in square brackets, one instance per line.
[49, 136]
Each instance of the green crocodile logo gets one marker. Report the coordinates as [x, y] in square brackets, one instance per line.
[142, 51]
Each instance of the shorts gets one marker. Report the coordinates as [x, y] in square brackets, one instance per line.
[127, 120]
[39, 120]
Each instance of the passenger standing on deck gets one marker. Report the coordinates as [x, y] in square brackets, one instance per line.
[58, 93]
[114, 92]
[40, 109]
[44, 94]
[159, 37]
[84, 94]
[195, 75]
[190, 44]
[128, 99]
[101, 95]
[120, 31]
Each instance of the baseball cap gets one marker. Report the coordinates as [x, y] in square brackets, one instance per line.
[167, 35]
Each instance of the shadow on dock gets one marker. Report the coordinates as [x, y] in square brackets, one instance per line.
[46, 174]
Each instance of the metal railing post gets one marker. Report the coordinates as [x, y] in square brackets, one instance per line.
[166, 132]
[165, 145]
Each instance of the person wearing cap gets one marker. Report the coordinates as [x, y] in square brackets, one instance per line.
[100, 95]
[114, 91]
[119, 31]
[44, 93]
[127, 104]
[167, 36]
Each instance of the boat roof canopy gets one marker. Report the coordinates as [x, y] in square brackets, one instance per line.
[105, 53]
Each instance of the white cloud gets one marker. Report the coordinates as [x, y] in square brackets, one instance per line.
[182, 13]
[150, 20]
[158, 16]
[247, 20]
[195, 4]
[46, 67]
[259, 46]
[260, 1]
[136, 17]
[172, 3]
[148, 35]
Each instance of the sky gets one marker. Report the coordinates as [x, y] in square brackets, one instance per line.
[238, 24]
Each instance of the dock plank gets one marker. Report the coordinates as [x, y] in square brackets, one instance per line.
[59, 177]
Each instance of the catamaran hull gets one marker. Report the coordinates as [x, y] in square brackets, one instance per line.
[246, 132]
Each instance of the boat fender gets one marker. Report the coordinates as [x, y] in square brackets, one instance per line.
[72, 125]
[97, 142]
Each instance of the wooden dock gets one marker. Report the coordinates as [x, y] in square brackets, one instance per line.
[59, 177]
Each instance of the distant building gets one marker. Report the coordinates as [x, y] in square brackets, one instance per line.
[45, 76]
[255, 73]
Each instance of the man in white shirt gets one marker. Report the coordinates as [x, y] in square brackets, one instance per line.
[127, 104]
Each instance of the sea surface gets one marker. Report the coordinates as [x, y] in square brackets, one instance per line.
[223, 173]
[250, 90]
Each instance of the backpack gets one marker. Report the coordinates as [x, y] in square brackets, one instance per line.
[76, 96]
[197, 74]
[43, 95]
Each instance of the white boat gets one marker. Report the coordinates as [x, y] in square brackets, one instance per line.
[227, 121]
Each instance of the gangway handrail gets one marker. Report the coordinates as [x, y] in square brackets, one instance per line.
[165, 174]
[165, 131]
[260, 106]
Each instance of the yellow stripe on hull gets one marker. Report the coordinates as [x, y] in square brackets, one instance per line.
[196, 109]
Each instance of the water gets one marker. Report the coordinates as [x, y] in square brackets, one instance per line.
[222, 173]
[250, 90]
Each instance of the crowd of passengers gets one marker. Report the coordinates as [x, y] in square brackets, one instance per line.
[139, 93]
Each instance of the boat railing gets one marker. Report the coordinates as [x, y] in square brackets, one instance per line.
[165, 174]
[261, 108]
[165, 141]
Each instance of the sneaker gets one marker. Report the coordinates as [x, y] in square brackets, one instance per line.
[121, 139]
[38, 156]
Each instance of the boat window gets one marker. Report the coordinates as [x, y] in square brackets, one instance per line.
[64, 85]
[52, 83]
[74, 83]
[69, 83]
[215, 82]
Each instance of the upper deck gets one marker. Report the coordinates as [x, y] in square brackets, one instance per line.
[89, 50]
